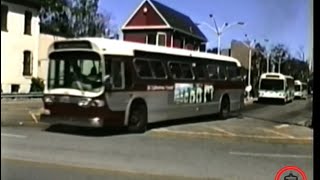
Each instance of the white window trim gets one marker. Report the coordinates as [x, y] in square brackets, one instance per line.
[165, 38]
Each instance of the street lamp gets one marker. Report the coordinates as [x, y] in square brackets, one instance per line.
[220, 30]
[250, 47]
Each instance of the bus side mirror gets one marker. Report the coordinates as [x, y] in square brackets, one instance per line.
[107, 82]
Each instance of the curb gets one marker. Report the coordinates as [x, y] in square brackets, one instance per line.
[205, 135]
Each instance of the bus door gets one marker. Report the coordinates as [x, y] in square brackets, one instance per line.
[117, 97]
[304, 90]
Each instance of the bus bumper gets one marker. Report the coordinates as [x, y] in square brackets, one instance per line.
[74, 121]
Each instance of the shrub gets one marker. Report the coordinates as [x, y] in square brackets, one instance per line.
[37, 85]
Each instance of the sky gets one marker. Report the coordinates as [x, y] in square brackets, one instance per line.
[279, 21]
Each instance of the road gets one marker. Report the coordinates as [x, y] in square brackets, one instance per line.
[292, 113]
[72, 155]
[63, 152]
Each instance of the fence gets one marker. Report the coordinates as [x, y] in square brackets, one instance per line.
[31, 95]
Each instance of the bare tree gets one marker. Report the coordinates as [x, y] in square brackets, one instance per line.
[301, 54]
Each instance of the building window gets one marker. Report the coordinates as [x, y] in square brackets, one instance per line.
[161, 39]
[182, 42]
[4, 16]
[15, 88]
[27, 63]
[151, 39]
[27, 22]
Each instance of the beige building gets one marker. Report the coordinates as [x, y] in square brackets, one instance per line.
[241, 52]
[19, 44]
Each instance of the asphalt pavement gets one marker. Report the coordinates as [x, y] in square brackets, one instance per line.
[259, 122]
[256, 145]
[36, 153]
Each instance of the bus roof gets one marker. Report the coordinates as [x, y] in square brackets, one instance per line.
[120, 47]
[275, 75]
[298, 82]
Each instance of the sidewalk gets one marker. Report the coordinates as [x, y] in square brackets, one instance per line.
[250, 101]
[241, 130]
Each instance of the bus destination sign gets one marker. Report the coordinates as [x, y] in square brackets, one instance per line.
[72, 45]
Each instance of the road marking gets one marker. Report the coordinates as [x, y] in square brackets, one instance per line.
[277, 133]
[223, 131]
[281, 126]
[271, 155]
[93, 169]
[164, 130]
[13, 135]
[33, 117]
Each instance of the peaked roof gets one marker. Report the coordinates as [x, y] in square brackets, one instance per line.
[176, 20]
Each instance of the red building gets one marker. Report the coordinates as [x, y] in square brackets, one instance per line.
[156, 23]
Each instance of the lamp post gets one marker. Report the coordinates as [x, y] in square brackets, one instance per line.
[250, 47]
[220, 31]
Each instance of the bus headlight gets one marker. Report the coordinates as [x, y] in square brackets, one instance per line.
[97, 103]
[91, 103]
[85, 102]
[48, 99]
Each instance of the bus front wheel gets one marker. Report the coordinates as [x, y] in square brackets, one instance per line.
[138, 118]
[225, 108]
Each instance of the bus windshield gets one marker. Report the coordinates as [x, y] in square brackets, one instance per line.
[79, 70]
[272, 84]
[297, 88]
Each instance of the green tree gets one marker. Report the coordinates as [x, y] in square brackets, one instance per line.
[74, 18]
[37, 85]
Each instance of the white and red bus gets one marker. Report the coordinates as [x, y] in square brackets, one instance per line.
[100, 82]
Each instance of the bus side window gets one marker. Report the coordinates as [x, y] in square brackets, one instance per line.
[232, 72]
[186, 71]
[199, 71]
[304, 87]
[143, 69]
[117, 69]
[223, 74]
[158, 69]
[175, 70]
[213, 71]
[128, 74]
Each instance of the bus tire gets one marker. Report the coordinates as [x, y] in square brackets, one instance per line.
[137, 118]
[284, 101]
[224, 108]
